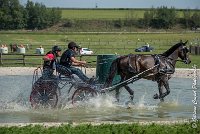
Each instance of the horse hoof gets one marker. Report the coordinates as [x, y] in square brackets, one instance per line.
[128, 103]
[156, 96]
[161, 100]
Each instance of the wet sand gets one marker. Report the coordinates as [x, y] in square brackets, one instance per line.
[179, 73]
[30, 70]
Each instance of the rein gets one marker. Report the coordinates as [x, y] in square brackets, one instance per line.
[177, 60]
[181, 60]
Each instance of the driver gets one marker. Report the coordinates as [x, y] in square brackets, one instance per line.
[68, 61]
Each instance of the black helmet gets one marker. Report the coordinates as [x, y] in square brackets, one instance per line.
[56, 48]
[72, 44]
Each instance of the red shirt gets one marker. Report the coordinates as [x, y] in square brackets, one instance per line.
[50, 56]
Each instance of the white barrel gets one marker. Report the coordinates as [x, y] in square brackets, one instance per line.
[4, 50]
[21, 50]
[39, 50]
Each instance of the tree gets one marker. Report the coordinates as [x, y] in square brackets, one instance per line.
[17, 13]
[196, 19]
[187, 18]
[40, 17]
[164, 18]
[148, 17]
[11, 14]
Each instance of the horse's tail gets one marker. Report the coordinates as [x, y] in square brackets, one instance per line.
[112, 72]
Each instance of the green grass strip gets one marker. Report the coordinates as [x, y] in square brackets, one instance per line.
[135, 128]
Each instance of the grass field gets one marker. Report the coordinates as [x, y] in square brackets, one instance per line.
[102, 14]
[104, 43]
[109, 14]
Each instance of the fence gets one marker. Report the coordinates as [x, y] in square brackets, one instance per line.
[195, 50]
[11, 59]
[34, 59]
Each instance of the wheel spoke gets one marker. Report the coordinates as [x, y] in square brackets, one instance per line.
[89, 95]
[49, 94]
[39, 94]
[82, 94]
[49, 105]
[79, 96]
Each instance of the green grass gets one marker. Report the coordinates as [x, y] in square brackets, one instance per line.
[108, 14]
[105, 129]
[103, 43]
[101, 14]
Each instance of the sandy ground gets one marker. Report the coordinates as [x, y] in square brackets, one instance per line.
[30, 71]
[180, 72]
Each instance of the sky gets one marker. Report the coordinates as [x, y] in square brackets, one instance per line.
[179, 4]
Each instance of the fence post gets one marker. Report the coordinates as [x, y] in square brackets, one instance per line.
[198, 50]
[24, 60]
[190, 48]
[1, 59]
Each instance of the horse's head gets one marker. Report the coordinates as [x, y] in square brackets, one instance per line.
[183, 53]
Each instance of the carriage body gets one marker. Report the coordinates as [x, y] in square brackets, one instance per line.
[46, 93]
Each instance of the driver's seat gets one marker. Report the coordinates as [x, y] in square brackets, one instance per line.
[62, 70]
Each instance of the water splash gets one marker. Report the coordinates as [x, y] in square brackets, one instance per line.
[19, 103]
[99, 102]
[103, 101]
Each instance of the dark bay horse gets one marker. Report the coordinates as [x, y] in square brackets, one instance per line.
[133, 64]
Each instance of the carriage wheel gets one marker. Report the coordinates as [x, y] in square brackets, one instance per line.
[82, 95]
[44, 95]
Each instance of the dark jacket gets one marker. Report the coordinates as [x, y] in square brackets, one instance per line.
[65, 59]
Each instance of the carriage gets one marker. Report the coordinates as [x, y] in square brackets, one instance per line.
[46, 93]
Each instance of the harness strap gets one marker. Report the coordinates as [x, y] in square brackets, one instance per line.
[130, 67]
[157, 61]
[167, 63]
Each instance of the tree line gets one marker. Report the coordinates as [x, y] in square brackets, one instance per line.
[158, 18]
[31, 16]
[35, 16]
[164, 17]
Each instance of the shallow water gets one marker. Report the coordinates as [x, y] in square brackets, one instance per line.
[15, 106]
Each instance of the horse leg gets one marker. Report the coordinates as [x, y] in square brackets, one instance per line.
[131, 92]
[117, 94]
[160, 88]
[166, 85]
[117, 88]
[162, 83]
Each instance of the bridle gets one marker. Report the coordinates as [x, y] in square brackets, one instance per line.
[185, 50]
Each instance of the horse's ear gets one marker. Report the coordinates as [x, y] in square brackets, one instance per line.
[186, 42]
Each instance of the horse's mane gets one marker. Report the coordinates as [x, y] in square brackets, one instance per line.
[172, 49]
